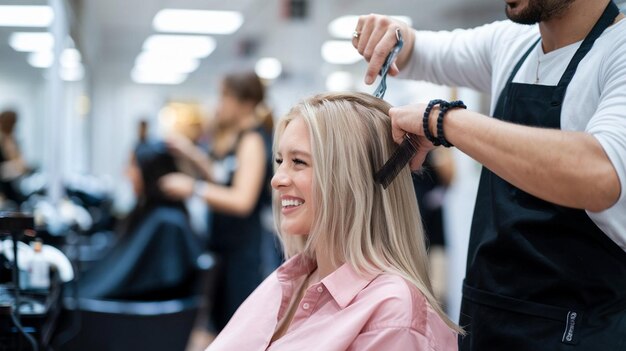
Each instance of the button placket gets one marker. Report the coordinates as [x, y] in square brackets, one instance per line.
[310, 299]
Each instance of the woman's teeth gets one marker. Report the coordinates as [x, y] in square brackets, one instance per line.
[291, 203]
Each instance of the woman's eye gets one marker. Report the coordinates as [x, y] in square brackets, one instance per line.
[279, 161]
[298, 161]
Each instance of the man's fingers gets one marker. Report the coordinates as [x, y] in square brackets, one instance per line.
[358, 29]
[418, 160]
[394, 71]
[396, 132]
[381, 51]
[374, 39]
[364, 35]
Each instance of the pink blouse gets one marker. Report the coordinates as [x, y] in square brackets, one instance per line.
[344, 311]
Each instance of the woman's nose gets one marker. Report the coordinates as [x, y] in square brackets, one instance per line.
[279, 179]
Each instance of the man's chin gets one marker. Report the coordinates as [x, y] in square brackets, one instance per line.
[515, 15]
[510, 5]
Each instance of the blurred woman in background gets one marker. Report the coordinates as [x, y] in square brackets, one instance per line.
[236, 187]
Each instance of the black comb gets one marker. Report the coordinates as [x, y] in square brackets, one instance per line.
[398, 160]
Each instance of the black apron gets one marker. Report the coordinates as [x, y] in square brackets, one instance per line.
[540, 276]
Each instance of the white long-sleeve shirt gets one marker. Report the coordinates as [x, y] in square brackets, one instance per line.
[483, 59]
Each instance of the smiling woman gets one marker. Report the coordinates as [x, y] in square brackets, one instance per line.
[357, 276]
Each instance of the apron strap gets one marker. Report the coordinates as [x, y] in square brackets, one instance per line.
[608, 16]
[521, 61]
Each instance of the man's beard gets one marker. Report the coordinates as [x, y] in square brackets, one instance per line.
[539, 11]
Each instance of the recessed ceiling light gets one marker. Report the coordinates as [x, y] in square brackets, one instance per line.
[25, 16]
[342, 27]
[340, 52]
[182, 45]
[70, 58]
[31, 41]
[169, 78]
[197, 21]
[268, 68]
[156, 62]
[41, 59]
[72, 74]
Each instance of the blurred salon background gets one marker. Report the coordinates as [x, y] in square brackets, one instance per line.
[101, 99]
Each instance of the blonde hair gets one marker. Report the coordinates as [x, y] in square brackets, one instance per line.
[356, 221]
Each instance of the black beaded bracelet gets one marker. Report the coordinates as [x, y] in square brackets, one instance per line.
[444, 109]
[426, 119]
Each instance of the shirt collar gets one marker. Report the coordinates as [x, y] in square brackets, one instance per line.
[295, 267]
[343, 284]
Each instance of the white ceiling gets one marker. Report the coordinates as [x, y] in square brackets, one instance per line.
[110, 32]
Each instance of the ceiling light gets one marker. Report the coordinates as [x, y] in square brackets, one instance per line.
[183, 67]
[197, 21]
[41, 59]
[144, 77]
[343, 26]
[339, 81]
[73, 74]
[188, 45]
[70, 58]
[150, 61]
[340, 52]
[25, 16]
[268, 68]
[31, 41]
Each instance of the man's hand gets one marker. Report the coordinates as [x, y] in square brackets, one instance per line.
[374, 39]
[408, 119]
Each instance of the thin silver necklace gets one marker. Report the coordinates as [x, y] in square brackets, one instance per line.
[537, 71]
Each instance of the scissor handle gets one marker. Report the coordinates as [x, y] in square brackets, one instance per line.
[382, 86]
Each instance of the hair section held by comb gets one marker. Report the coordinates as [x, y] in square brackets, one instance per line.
[398, 160]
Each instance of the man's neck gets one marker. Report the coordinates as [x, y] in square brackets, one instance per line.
[572, 25]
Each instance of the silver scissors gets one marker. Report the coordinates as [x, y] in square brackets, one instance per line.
[382, 86]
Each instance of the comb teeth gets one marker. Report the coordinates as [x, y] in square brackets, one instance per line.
[400, 158]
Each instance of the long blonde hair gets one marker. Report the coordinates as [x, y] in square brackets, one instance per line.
[356, 221]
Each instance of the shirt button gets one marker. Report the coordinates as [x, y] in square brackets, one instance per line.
[305, 306]
[320, 289]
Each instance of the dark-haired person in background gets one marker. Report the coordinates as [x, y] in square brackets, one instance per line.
[546, 265]
[155, 258]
